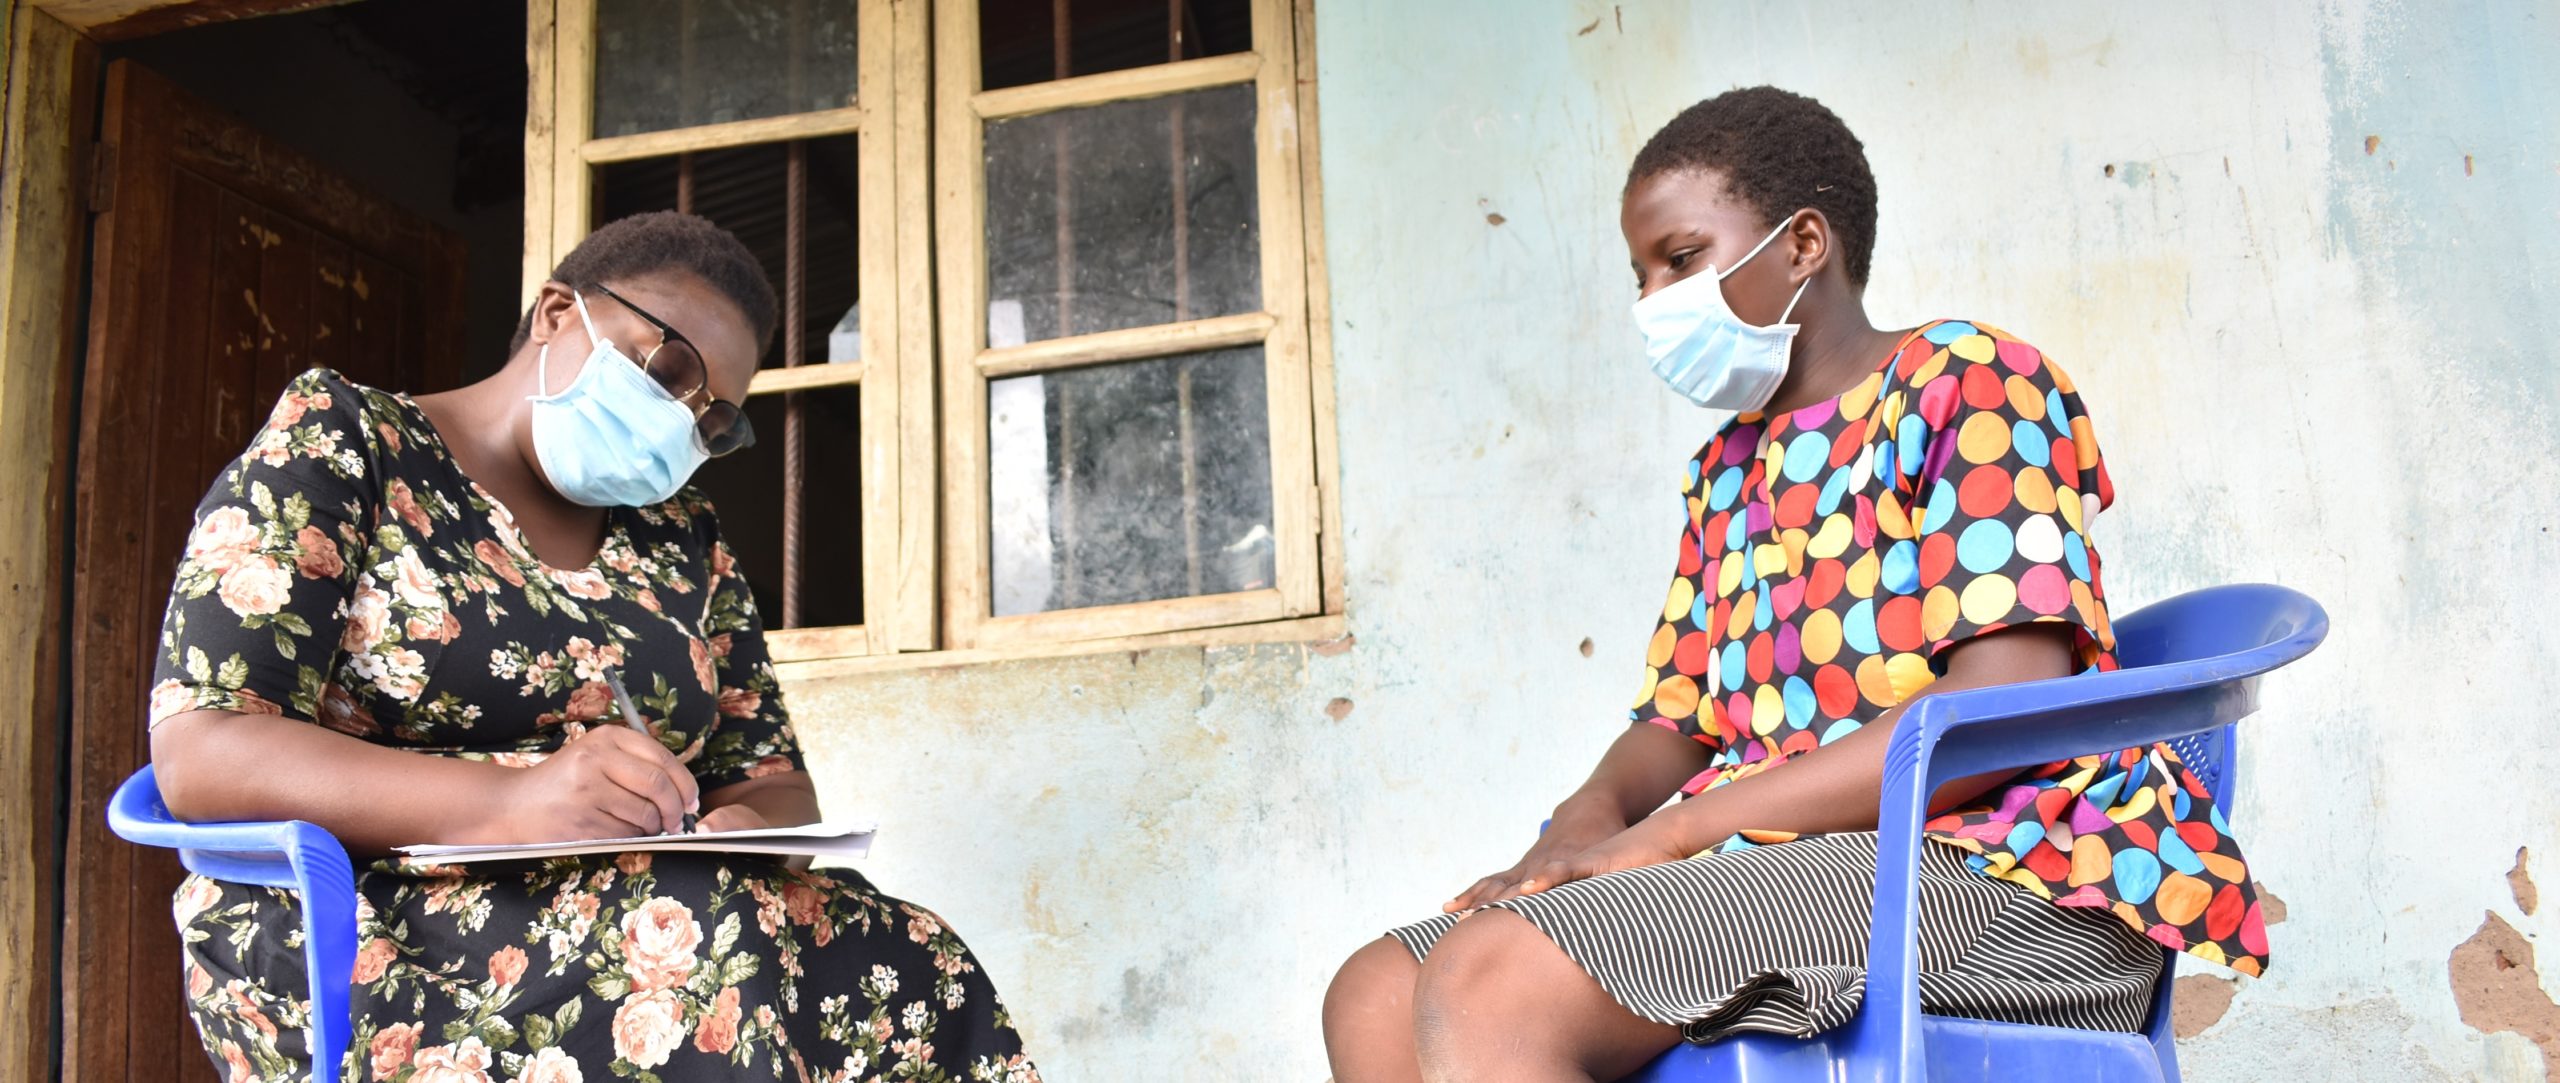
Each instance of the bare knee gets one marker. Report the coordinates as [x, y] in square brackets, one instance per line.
[1473, 994]
[1480, 966]
[1368, 1015]
[1497, 994]
[1374, 985]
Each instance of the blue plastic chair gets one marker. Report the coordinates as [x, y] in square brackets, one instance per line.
[2191, 668]
[293, 855]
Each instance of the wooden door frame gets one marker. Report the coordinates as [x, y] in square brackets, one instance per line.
[126, 20]
[44, 222]
[48, 120]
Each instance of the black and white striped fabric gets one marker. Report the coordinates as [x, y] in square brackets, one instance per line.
[1774, 939]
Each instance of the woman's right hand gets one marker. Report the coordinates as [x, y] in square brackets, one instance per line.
[1576, 826]
[608, 783]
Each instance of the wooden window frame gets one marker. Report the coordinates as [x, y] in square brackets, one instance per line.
[885, 120]
[920, 119]
[1281, 327]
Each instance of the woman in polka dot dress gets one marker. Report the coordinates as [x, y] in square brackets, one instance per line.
[1891, 514]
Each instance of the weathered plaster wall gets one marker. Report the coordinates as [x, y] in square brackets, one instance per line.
[2300, 259]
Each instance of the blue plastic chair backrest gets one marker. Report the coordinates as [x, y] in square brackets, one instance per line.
[2209, 755]
[2204, 624]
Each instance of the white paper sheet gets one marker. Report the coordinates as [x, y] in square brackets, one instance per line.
[844, 839]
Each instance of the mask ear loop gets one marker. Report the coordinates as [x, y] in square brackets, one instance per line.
[1791, 301]
[542, 360]
[1800, 287]
[583, 319]
[1755, 250]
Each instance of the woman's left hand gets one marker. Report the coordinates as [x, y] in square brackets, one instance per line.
[737, 817]
[1649, 842]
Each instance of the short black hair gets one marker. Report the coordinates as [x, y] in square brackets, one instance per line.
[1778, 153]
[660, 241]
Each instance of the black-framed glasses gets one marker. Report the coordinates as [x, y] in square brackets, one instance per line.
[677, 365]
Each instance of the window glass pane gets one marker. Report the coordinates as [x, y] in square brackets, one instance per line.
[1019, 43]
[677, 63]
[1122, 215]
[745, 191]
[1130, 482]
[747, 488]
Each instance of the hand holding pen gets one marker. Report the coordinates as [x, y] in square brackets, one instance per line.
[631, 717]
[615, 782]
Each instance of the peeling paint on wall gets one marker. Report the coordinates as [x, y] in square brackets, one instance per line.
[2497, 988]
[2520, 883]
[2200, 1002]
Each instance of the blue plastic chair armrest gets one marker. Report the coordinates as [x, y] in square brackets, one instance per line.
[285, 854]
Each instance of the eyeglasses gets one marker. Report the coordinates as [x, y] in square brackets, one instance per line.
[677, 366]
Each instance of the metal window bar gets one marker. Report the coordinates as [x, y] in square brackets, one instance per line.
[1179, 15]
[1174, 12]
[1062, 65]
[795, 430]
[695, 181]
[688, 64]
[795, 433]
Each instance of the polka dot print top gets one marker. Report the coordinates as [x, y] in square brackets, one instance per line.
[1830, 553]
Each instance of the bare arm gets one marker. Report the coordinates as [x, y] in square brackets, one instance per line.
[789, 799]
[1641, 770]
[1832, 788]
[219, 766]
[1836, 787]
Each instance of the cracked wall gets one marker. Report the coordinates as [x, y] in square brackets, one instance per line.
[2297, 257]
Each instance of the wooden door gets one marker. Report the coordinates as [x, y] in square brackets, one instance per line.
[225, 264]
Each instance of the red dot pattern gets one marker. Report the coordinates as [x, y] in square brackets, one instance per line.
[1830, 554]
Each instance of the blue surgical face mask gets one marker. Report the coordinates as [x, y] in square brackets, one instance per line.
[1705, 352]
[613, 437]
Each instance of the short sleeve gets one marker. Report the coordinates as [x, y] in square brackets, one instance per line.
[1679, 654]
[2006, 492]
[754, 737]
[255, 613]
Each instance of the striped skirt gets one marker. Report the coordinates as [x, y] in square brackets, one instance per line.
[1774, 939]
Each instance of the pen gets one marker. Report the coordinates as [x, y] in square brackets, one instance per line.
[631, 717]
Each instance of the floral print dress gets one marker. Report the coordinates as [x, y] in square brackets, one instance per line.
[345, 572]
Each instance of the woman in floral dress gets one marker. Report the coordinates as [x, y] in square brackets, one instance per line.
[400, 619]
